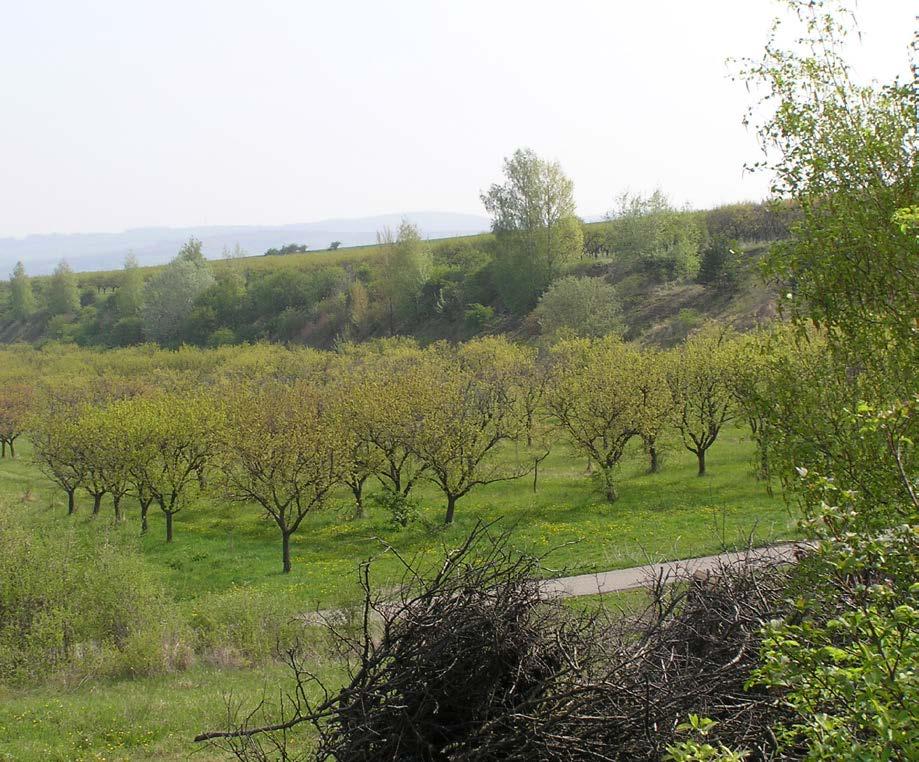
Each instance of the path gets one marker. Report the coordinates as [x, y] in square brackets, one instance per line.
[643, 576]
[635, 577]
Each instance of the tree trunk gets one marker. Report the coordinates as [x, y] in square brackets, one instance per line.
[358, 491]
[116, 501]
[609, 486]
[12, 451]
[655, 466]
[285, 551]
[535, 474]
[97, 503]
[2, 448]
[71, 502]
[168, 526]
[701, 456]
[143, 516]
[451, 509]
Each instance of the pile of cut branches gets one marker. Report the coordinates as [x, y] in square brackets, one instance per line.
[473, 661]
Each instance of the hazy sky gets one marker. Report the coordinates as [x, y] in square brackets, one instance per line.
[134, 113]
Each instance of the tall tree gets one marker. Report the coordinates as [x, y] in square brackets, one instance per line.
[63, 294]
[533, 217]
[129, 298]
[169, 296]
[22, 298]
[405, 268]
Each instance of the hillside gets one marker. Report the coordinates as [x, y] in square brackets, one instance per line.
[661, 275]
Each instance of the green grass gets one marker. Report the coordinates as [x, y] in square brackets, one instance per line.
[151, 718]
[220, 548]
[673, 514]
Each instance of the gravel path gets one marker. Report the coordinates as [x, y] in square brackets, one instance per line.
[643, 576]
[637, 576]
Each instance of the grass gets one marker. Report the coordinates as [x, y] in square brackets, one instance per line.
[151, 718]
[222, 548]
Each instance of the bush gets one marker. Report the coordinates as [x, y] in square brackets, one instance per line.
[402, 509]
[579, 306]
[68, 603]
[478, 316]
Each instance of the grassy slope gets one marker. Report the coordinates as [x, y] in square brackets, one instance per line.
[670, 515]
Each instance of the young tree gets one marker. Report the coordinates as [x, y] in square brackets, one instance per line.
[54, 431]
[384, 410]
[595, 396]
[63, 294]
[282, 448]
[405, 267]
[656, 404]
[701, 375]
[464, 409]
[17, 401]
[180, 439]
[22, 298]
[533, 217]
[129, 296]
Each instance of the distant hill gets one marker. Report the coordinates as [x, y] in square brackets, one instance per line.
[151, 246]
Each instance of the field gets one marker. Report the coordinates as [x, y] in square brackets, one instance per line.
[221, 551]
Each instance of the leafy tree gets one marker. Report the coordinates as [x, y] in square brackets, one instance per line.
[129, 297]
[597, 400]
[845, 417]
[63, 295]
[22, 298]
[178, 446]
[334, 245]
[533, 217]
[17, 401]
[54, 432]
[169, 297]
[579, 307]
[282, 449]
[466, 405]
[405, 267]
[656, 405]
[382, 409]
[700, 375]
[661, 239]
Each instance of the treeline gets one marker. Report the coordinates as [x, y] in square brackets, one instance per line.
[286, 431]
[451, 289]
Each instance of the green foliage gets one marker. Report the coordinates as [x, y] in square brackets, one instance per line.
[477, 316]
[69, 601]
[404, 269]
[402, 509]
[650, 231]
[697, 749]
[720, 264]
[169, 297]
[533, 217]
[579, 306]
[63, 297]
[22, 299]
[129, 297]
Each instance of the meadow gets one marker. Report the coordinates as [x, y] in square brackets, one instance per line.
[225, 560]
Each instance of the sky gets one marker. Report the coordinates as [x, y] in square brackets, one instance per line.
[116, 115]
